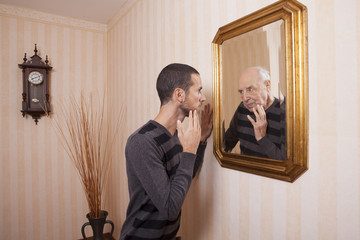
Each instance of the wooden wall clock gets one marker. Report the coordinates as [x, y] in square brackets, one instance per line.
[35, 77]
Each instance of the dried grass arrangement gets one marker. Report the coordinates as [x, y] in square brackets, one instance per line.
[88, 139]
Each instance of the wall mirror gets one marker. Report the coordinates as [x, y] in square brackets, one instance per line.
[269, 44]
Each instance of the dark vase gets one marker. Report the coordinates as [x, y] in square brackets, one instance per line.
[97, 225]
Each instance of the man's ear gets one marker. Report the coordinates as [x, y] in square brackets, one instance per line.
[268, 85]
[179, 95]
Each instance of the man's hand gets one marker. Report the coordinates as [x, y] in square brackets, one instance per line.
[260, 125]
[206, 122]
[191, 137]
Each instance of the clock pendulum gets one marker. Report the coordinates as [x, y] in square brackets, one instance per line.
[34, 99]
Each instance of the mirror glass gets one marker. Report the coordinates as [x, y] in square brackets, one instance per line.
[260, 90]
[262, 47]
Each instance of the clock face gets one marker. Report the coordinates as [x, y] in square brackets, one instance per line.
[35, 78]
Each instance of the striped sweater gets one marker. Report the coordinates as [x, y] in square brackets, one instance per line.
[273, 145]
[159, 176]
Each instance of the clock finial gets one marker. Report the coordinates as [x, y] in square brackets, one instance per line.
[35, 50]
[25, 58]
[47, 60]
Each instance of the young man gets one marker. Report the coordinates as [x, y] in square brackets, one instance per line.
[162, 158]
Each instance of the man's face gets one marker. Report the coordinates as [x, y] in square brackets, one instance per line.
[193, 97]
[253, 90]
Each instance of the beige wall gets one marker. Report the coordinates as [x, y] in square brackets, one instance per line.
[40, 195]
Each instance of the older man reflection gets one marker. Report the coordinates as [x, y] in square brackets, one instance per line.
[259, 122]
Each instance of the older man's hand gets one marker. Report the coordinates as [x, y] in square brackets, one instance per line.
[260, 123]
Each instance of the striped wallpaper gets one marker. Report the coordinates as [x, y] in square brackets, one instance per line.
[41, 197]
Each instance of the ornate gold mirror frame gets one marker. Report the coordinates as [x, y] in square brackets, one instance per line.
[293, 16]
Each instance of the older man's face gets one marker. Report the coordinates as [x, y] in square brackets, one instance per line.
[253, 90]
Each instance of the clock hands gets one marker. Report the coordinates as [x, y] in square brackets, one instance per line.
[35, 77]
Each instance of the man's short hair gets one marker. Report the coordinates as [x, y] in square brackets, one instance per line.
[175, 75]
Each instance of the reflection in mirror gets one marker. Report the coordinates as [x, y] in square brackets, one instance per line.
[245, 86]
[260, 71]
